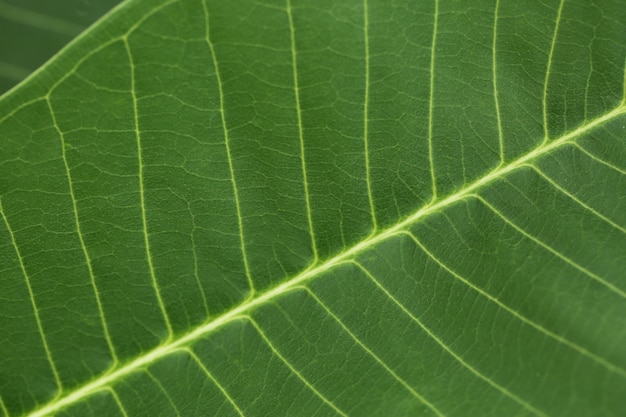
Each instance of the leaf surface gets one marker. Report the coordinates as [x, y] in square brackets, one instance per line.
[315, 207]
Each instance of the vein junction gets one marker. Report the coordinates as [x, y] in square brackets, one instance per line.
[176, 344]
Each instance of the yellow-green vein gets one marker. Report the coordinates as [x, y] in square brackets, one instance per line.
[155, 282]
[163, 390]
[117, 400]
[495, 80]
[3, 408]
[546, 133]
[601, 161]
[516, 314]
[33, 303]
[209, 375]
[366, 99]
[296, 89]
[576, 199]
[228, 152]
[358, 341]
[431, 104]
[445, 347]
[285, 287]
[550, 249]
[79, 232]
[276, 352]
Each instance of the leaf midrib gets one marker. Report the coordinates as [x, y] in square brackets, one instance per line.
[174, 344]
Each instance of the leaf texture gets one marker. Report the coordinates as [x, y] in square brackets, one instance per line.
[319, 208]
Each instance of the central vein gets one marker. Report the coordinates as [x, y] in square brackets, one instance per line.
[315, 270]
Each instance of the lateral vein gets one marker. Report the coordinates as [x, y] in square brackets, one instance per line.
[287, 286]
[368, 175]
[31, 294]
[297, 373]
[155, 282]
[228, 151]
[546, 132]
[441, 343]
[296, 88]
[79, 232]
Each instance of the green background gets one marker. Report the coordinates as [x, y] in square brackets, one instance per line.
[32, 31]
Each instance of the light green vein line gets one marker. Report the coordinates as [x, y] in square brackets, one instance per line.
[195, 266]
[595, 158]
[296, 89]
[560, 339]
[495, 81]
[57, 83]
[155, 283]
[431, 159]
[368, 175]
[33, 303]
[310, 273]
[79, 232]
[567, 260]
[373, 355]
[15, 110]
[578, 201]
[39, 21]
[194, 252]
[163, 390]
[444, 346]
[213, 379]
[546, 133]
[117, 400]
[291, 367]
[3, 407]
[142, 18]
[624, 84]
[228, 152]
[79, 62]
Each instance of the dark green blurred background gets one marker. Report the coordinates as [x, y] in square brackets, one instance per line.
[32, 31]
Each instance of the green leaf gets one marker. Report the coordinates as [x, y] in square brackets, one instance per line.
[316, 208]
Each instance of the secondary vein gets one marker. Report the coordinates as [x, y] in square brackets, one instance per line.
[288, 286]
